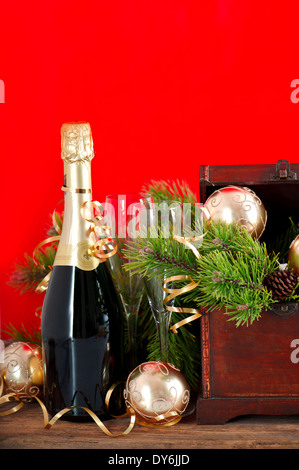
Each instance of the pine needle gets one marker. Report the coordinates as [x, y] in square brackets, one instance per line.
[170, 190]
[24, 334]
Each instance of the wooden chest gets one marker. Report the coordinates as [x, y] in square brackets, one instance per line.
[252, 369]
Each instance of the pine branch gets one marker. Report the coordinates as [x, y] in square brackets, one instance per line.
[230, 270]
[27, 275]
[233, 282]
[157, 256]
[56, 225]
[170, 190]
[24, 335]
[220, 236]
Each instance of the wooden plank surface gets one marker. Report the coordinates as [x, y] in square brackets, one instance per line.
[24, 430]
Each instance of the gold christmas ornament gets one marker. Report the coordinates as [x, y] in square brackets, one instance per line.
[158, 392]
[239, 205]
[22, 370]
[294, 256]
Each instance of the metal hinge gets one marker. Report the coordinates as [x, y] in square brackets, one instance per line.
[284, 309]
[283, 171]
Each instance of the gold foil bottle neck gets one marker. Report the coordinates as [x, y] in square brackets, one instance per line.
[76, 142]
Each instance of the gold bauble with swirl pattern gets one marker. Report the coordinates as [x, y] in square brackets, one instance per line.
[22, 370]
[293, 261]
[238, 205]
[158, 392]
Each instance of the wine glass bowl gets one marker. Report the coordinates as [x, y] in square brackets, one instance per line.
[156, 296]
[168, 217]
[128, 215]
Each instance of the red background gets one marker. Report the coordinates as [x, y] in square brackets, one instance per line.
[167, 85]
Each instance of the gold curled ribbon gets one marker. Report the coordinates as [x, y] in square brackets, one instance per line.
[49, 423]
[161, 417]
[176, 292]
[108, 397]
[48, 240]
[5, 399]
[129, 411]
[43, 285]
[55, 224]
[177, 417]
[100, 247]
[188, 244]
[195, 313]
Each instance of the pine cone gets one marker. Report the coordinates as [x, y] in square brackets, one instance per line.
[281, 283]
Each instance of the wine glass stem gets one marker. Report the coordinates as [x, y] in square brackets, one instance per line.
[132, 330]
[163, 329]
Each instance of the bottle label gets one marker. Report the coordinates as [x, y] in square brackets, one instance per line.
[68, 255]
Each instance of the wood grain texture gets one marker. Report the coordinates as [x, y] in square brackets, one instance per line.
[249, 369]
[24, 430]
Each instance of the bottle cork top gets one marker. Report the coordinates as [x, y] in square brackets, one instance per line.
[76, 142]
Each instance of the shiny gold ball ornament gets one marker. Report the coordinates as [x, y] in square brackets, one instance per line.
[158, 392]
[238, 205]
[22, 370]
[293, 261]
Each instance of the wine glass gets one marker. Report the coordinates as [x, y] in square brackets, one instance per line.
[127, 216]
[168, 216]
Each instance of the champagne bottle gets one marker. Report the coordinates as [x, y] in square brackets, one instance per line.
[81, 318]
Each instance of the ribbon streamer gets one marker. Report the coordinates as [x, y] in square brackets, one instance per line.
[176, 292]
[19, 397]
[186, 242]
[43, 285]
[47, 240]
[161, 417]
[6, 399]
[99, 249]
[49, 423]
[173, 293]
